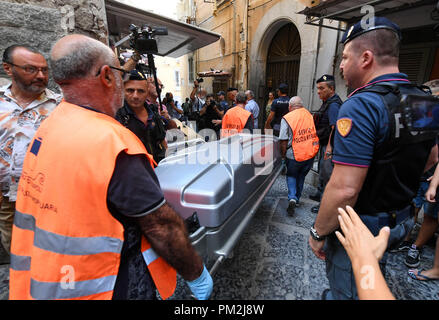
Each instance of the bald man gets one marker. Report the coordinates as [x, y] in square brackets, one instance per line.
[299, 144]
[103, 222]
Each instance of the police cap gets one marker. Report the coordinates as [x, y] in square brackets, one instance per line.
[283, 86]
[136, 75]
[221, 93]
[361, 28]
[325, 77]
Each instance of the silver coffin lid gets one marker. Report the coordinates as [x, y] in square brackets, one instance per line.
[215, 178]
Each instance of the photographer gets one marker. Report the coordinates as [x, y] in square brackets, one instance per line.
[198, 96]
[173, 110]
[210, 111]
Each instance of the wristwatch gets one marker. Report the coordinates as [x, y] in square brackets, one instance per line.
[315, 235]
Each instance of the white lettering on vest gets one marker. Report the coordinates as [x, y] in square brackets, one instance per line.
[398, 124]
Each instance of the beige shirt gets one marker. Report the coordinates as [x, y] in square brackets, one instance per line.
[17, 128]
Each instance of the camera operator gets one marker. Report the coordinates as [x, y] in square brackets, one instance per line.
[198, 97]
[173, 110]
[211, 111]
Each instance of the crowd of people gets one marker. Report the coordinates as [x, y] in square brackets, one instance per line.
[74, 183]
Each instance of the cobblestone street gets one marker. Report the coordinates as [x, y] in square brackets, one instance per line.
[272, 260]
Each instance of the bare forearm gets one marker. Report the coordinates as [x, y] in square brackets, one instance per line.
[283, 148]
[342, 189]
[334, 197]
[192, 95]
[129, 65]
[369, 280]
[166, 232]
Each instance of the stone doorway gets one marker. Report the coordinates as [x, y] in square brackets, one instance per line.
[283, 59]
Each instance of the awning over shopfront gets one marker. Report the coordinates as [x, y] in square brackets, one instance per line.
[349, 11]
[182, 38]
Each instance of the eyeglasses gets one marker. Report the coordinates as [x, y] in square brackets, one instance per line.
[125, 74]
[31, 69]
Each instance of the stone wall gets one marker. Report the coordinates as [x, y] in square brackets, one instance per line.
[40, 23]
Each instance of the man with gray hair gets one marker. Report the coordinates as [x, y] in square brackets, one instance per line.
[252, 106]
[299, 144]
[24, 104]
[92, 200]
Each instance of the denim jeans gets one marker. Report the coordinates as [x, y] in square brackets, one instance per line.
[296, 173]
[338, 265]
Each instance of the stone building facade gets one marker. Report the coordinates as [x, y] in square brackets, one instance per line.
[40, 23]
[265, 43]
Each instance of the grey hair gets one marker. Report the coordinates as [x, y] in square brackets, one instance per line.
[250, 93]
[296, 101]
[241, 97]
[434, 86]
[82, 61]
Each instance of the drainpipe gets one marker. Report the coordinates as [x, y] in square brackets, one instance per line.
[334, 64]
[244, 75]
[316, 64]
[234, 45]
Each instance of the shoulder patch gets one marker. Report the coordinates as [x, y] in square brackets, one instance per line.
[344, 126]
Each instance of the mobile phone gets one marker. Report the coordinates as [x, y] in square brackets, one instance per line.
[420, 113]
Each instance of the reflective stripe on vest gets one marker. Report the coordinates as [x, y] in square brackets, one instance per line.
[65, 242]
[305, 143]
[234, 121]
[159, 267]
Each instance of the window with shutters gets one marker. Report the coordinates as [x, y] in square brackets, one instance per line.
[415, 63]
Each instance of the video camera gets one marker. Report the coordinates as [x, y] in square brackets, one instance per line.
[143, 39]
[420, 113]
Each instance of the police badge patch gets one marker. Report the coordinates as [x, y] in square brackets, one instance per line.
[344, 126]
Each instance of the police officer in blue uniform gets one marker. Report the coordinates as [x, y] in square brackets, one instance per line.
[325, 120]
[377, 160]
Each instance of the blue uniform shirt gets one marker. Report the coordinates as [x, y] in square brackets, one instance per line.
[333, 109]
[362, 122]
[280, 108]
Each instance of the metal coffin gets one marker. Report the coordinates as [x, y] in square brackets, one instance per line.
[213, 179]
[221, 183]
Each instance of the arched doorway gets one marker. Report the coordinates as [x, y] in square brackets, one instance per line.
[283, 59]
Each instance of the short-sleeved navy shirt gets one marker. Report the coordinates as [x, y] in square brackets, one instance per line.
[134, 191]
[280, 107]
[333, 109]
[362, 123]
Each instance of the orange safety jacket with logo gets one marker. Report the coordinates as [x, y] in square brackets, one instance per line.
[65, 242]
[234, 121]
[305, 143]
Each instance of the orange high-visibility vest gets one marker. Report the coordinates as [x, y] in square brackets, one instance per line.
[65, 242]
[305, 142]
[234, 121]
